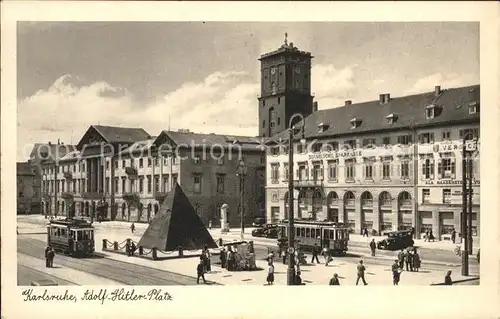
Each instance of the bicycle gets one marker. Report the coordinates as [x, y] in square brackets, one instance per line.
[458, 251]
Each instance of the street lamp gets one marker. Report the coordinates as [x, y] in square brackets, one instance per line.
[241, 171]
[468, 148]
[291, 240]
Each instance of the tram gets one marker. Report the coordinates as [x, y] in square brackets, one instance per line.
[73, 237]
[334, 236]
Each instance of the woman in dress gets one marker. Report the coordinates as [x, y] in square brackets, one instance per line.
[270, 274]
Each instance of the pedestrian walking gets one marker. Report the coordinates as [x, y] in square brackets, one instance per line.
[431, 236]
[200, 271]
[327, 255]
[47, 264]
[365, 232]
[132, 228]
[334, 281]
[361, 273]
[401, 258]
[285, 256]
[416, 261]
[426, 238]
[298, 280]
[270, 257]
[132, 249]
[373, 246]
[223, 257]
[407, 259]
[270, 274]
[447, 279]
[396, 273]
[453, 235]
[208, 257]
[315, 254]
[209, 224]
[51, 254]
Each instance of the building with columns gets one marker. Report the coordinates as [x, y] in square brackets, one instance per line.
[388, 164]
[132, 171]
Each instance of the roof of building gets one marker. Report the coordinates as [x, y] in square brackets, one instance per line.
[24, 168]
[190, 139]
[74, 155]
[409, 112]
[116, 134]
[139, 146]
[50, 151]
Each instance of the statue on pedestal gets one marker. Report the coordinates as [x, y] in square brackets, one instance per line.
[224, 223]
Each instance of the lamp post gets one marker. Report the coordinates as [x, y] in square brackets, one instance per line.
[241, 171]
[291, 239]
[468, 148]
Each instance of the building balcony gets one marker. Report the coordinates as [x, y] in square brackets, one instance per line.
[160, 196]
[308, 183]
[68, 175]
[91, 195]
[67, 195]
[131, 171]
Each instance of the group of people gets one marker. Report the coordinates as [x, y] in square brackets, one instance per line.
[228, 259]
[430, 236]
[49, 257]
[410, 259]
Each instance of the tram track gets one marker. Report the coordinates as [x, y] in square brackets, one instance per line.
[119, 271]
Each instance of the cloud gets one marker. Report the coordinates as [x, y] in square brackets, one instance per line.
[224, 102]
[427, 83]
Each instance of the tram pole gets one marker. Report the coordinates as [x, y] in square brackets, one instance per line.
[463, 248]
[291, 230]
[469, 216]
[291, 265]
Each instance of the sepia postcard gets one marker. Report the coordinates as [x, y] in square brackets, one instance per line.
[196, 159]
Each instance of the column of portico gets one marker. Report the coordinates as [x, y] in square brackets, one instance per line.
[357, 213]
[99, 176]
[435, 224]
[376, 214]
[395, 214]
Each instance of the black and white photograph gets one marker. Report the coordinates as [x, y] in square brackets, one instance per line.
[247, 153]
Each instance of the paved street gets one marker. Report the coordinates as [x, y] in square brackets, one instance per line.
[121, 272]
[119, 269]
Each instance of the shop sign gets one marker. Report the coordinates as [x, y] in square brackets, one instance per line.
[450, 182]
[333, 155]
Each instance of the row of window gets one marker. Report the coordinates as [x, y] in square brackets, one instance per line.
[446, 168]
[197, 182]
[352, 144]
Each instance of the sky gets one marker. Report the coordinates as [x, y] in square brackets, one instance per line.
[204, 76]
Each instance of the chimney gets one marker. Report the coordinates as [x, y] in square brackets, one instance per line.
[382, 98]
[50, 143]
[58, 141]
[315, 106]
[387, 97]
[437, 90]
[348, 102]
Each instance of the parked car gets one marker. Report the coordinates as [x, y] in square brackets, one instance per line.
[268, 231]
[259, 222]
[396, 240]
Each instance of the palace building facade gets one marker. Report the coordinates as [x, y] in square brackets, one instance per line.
[132, 172]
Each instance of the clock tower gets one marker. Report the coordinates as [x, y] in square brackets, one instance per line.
[285, 88]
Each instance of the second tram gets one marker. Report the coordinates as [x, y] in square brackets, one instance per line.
[333, 236]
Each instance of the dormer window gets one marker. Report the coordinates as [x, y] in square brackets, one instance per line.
[430, 112]
[392, 118]
[473, 107]
[322, 127]
[355, 123]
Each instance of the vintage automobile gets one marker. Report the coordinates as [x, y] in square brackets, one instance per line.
[268, 231]
[396, 240]
[259, 222]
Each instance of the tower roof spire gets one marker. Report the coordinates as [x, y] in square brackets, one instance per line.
[286, 38]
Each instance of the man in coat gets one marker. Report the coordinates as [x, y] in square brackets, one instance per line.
[200, 272]
[315, 254]
[373, 246]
